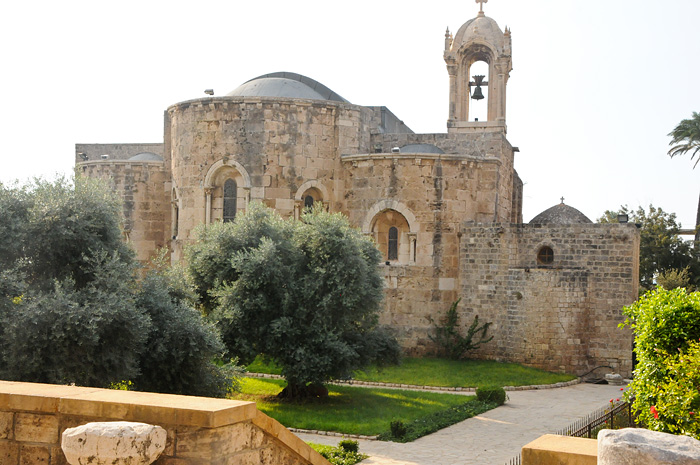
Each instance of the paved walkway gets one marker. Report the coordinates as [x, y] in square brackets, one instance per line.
[494, 437]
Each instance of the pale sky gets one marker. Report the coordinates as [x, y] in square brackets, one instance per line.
[596, 86]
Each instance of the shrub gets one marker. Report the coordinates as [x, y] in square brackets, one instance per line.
[349, 445]
[677, 398]
[406, 432]
[346, 453]
[398, 429]
[90, 337]
[491, 394]
[450, 342]
[672, 279]
[181, 347]
[664, 391]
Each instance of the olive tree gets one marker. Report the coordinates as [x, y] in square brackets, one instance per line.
[73, 310]
[305, 294]
[182, 351]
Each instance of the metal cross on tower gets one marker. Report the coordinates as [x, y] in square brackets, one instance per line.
[481, 7]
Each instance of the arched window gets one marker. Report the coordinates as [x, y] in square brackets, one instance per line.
[308, 201]
[545, 256]
[230, 199]
[393, 252]
[393, 236]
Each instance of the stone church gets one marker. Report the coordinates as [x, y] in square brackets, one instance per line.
[444, 209]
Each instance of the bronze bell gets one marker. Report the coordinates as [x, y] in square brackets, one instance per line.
[478, 81]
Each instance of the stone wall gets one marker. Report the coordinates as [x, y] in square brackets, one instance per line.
[200, 430]
[274, 148]
[563, 316]
[279, 151]
[94, 152]
[144, 190]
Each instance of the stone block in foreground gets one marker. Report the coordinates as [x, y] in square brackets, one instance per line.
[641, 446]
[113, 443]
[552, 449]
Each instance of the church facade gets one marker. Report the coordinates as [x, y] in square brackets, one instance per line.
[444, 209]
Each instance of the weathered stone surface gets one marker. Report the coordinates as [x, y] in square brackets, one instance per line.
[30, 427]
[113, 443]
[634, 446]
[614, 379]
[448, 206]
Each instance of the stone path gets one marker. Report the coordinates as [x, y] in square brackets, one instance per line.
[494, 437]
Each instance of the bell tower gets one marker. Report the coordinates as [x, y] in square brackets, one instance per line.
[478, 40]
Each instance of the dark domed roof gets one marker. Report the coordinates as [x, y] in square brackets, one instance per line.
[285, 85]
[146, 156]
[421, 148]
[560, 214]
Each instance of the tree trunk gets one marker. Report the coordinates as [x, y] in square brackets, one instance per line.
[302, 391]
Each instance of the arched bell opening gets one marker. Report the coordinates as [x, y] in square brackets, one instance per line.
[478, 92]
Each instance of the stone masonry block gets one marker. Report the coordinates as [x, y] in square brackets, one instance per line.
[31, 427]
[9, 453]
[6, 425]
[34, 455]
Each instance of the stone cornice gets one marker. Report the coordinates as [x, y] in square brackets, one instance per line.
[418, 156]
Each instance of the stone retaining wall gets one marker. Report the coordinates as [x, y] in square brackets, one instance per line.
[200, 430]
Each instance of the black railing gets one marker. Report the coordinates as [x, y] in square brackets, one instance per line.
[616, 415]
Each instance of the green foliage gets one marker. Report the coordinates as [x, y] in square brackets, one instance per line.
[677, 397]
[412, 430]
[349, 445]
[69, 223]
[306, 294]
[15, 203]
[664, 320]
[661, 249]
[686, 138]
[181, 347]
[431, 371]
[492, 394]
[90, 336]
[667, 376]
[398, 429]
[346, 453]
[347, 409]
[450, 342]
[673, 279]
[72, 309]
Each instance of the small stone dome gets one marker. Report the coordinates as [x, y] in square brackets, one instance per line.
[146, 156]
[560, 214]
[482, 29]
[421, 148]
[285, 85]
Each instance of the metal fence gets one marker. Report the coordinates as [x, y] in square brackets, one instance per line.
[616, 415]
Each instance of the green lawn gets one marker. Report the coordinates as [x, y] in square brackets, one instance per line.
[351, 410]
[447, 373]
